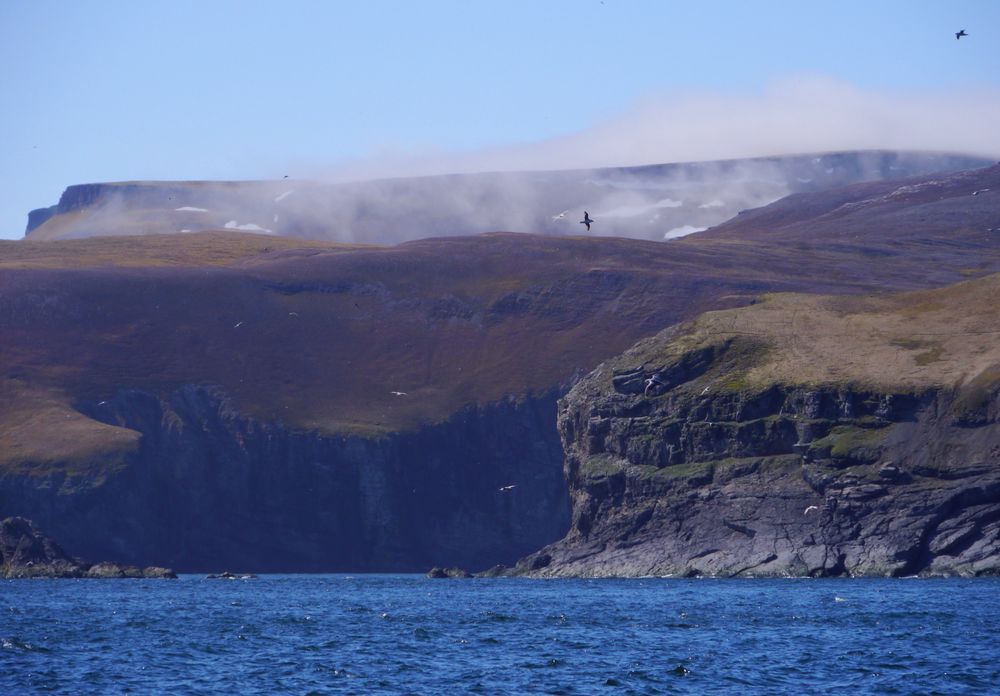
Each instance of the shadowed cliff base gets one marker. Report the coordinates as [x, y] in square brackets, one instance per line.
[206, 487]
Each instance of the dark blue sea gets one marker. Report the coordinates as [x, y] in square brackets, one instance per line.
[369, 634]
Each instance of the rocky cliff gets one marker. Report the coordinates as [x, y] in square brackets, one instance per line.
[210, 488]
[801, 436]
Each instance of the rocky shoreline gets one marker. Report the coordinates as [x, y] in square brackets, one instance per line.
[25, 552]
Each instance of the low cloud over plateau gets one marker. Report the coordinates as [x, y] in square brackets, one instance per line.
[792, 116]
[545, 187]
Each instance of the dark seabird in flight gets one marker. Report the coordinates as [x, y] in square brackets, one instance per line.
[960, 34]
[586, 220]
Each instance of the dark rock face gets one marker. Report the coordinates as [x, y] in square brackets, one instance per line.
[38, 216]
[784, 481]
[27, 553]
[210, 487]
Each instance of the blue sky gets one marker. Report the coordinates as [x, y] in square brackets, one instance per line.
[98, 91]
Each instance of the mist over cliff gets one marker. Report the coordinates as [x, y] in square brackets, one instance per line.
[654, 202]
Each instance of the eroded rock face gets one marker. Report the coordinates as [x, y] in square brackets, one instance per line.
[26, 552]
[683, 479]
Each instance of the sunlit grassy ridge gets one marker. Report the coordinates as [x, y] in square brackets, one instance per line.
[197, 249]
[928, 339]
[41, 434]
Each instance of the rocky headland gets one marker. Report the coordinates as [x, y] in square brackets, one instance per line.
[802, 436]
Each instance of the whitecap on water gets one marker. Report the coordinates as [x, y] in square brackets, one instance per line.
[17, 644]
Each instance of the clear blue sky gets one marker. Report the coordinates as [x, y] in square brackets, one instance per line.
[97, 91]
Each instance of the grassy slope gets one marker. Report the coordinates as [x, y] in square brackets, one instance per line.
[916, 231]
[322, 340]
[37, 426]
[197, 249]
[938, 338]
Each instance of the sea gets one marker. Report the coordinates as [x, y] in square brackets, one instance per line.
[394, 634]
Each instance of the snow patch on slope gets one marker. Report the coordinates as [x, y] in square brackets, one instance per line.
[683, 231]
[248, 227]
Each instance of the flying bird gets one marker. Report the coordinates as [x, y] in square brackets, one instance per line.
[586, 220]
[560, 216]
[651, 383]
[237, 324]
[809, 509]
[960, 34]
[397, 393]
[508, 488]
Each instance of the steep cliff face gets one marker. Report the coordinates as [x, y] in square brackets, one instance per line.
[38, 217]
[210, 488]
[682, 459]
[81, 196]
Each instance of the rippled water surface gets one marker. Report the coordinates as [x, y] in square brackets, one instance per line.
[368, 634]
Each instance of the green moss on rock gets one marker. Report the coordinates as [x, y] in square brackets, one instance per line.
[852, 443]
[600, 466]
